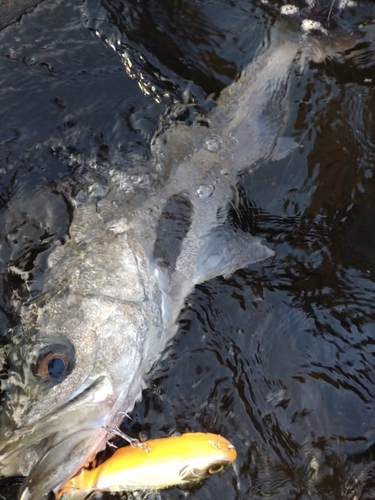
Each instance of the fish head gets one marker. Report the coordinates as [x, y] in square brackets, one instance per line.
[76, 362]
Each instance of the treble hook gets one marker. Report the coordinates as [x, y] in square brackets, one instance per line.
[134, 442]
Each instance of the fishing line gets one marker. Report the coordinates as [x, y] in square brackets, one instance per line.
[310, 127]
[330, 10]
[317, 116]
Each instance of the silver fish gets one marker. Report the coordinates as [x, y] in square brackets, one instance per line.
[113, 292]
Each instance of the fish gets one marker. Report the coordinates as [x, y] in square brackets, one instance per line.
[155, 464]
[107, 303]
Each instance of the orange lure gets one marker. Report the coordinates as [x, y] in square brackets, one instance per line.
[155, 464]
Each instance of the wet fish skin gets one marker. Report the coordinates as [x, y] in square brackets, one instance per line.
[108, 305]
[79, 310]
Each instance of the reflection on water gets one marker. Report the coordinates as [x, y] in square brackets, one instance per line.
[280, 357]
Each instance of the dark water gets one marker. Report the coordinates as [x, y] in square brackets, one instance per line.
[280, 357]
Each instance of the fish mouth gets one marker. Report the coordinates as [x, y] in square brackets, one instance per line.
[59, 444]
[61, 462]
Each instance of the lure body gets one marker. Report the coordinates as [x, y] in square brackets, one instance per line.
[155, 464]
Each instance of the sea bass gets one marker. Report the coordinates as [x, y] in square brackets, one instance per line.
[112, 294]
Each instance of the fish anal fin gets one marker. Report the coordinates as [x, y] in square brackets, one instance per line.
[227, 250]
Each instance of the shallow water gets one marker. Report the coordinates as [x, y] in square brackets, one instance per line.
[279, 358]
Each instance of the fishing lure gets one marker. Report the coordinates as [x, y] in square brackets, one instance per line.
[155, 464]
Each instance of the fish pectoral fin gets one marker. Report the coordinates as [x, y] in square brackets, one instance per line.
[226, 250]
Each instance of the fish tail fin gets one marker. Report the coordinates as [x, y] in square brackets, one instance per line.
[321, 44]
[322, 39]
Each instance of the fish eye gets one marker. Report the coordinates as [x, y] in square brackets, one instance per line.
[214, 469]
[54, 363]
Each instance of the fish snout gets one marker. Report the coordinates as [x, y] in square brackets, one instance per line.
[60, 462]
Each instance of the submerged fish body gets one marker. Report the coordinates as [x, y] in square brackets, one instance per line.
[112, 293]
